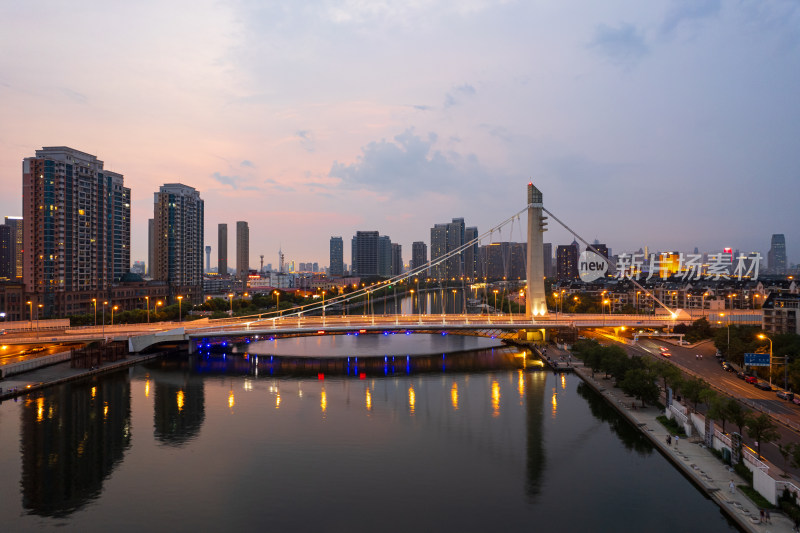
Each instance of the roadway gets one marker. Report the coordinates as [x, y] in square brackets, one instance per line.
[785, 413]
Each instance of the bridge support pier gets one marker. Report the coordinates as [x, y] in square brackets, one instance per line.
[535, 298]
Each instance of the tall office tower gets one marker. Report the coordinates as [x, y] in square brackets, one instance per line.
[602, 249]
[151, 245]
[77, 233]
[365, 253]
[242, 250]
[567, 262]
[8, 269]
[337, 257]
[547, 253]
[384, 256]
[471, 255]
[179, 214]
[776, 257]
[397, 259]
[503, 261]
[208, 260]
[446, 238]
[16, 225]
[222, 249]
[419, 256]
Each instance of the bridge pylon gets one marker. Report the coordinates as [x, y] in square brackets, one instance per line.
[535, 298]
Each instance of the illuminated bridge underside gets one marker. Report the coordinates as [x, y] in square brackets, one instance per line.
[502, 326]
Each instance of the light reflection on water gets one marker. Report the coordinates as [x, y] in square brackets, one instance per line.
[457, 450]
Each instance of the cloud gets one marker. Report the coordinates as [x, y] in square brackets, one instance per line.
[307, 140]
[234, 182]
[454, 97]
[688, 11]
[422, 107]
[410, 163]
[74, 95]
[623, 45]
[248, 164]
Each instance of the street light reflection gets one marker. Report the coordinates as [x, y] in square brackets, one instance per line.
[454, 396]
[495, 398]
[412, 399]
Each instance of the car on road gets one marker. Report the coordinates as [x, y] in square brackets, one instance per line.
[796, 400]
[666, 354]
[740, 375]
[727, 367]
[785, 395]
[763, 385]
[751, 379]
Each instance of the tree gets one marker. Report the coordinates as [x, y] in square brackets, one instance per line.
[639, 383]
[762, 429]
[693, 390]
[717, 409]
[737, 414]
[670, 374]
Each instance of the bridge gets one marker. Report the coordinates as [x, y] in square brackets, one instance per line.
[315, 319]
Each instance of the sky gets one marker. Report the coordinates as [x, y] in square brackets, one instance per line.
[667, 124]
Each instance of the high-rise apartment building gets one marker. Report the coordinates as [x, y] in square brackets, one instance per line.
[151, 245]
[567, 262]
[547, 255]
[16, 225]
[242, 250]
[76, 234]
[397, 259]
[384, 256]
[179, 214]
[471, 253]
[337, 257]
[503, 261]
[419, 256]
[8, 271]
[776, 257]
[222, 249]
[446, 238]
[364, 254]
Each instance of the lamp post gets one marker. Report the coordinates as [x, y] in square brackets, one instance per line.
[104, 318]
[94, 301]
[323, 305]
[230, 297]
[180, 314]
[495, 300]
[158, 303]
[112, 313]
[728, 325]
[148, 308]
[38, 312]
[762, 336]
[277, 301]
[454, 300]
[30, 311]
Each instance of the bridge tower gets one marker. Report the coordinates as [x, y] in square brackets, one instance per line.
[535, 300]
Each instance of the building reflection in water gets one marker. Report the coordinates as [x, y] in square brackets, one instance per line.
[178, 408]
[534, 413]
[72, 438]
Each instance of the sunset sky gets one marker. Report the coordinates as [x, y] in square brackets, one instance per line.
[668, 124]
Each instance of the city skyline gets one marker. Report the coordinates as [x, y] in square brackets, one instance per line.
[668, 125]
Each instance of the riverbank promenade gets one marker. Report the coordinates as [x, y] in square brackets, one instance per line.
[690, 456]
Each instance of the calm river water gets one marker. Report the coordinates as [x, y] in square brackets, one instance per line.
[235, 441]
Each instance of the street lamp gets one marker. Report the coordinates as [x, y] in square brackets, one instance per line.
[112, 313]
[278, 301]
[38, 311]
[323, 304]
[728, 325]
[230, 297]
[94, 301]
[454, 300]
[495, 301]
[104, 318]
[180, 314]
[762, 337]
[30, 311]
[148, 308]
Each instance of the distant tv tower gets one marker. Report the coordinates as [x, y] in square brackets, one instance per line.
[262, 264]
[280, 260]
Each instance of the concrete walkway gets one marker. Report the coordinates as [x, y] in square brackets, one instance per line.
[692, 458]
[20, 384]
